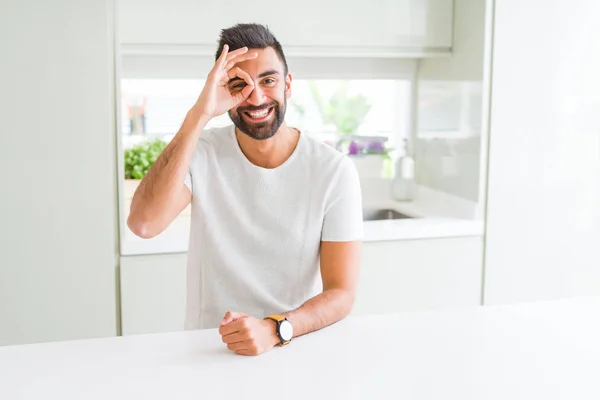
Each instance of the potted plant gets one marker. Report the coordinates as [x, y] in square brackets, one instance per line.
[371, 156]
[138, 161]
[346, 113]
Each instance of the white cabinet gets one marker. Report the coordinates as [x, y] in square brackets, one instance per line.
[329, 28]
[419, 275]
[153, 293]
[395, 276]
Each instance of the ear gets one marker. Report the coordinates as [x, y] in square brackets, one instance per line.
[288, 86]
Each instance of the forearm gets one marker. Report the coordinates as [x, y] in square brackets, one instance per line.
[320, 311]
[164, 181]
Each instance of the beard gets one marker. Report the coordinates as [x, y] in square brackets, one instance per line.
[260, 130]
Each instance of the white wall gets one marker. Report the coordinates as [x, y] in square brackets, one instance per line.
[543, 223]
[449, 108]
[58, 244]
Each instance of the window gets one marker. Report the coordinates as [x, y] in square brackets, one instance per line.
[361, 106]
[328, 109]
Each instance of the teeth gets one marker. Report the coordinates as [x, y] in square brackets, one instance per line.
[260, 114]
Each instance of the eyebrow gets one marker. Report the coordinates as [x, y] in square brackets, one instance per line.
[261, 75]
[267, 73]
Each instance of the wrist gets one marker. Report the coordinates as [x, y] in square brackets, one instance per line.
[200, 111]
[284, 331]
[195, 120]
[272, 329]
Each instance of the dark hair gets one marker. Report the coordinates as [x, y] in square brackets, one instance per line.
[254, 36]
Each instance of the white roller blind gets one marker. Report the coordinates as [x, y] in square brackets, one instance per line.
[152, 66]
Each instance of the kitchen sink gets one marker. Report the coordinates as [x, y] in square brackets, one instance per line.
[382, 214]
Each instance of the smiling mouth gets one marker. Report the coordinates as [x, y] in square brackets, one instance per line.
[258, 116]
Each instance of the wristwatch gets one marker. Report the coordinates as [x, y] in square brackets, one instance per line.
[285, 330]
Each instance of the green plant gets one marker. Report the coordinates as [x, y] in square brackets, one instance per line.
[139, 158]
[344, 111]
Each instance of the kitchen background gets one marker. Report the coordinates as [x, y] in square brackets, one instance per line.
[418, 95]
[504, 203]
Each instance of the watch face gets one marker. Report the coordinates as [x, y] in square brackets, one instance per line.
[286, 330]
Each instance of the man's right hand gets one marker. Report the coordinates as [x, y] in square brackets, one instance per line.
[162, 195]
[217, 97]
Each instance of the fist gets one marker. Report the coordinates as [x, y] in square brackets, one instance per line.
[246, 335]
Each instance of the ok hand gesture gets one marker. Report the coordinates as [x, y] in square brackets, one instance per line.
[216, 97]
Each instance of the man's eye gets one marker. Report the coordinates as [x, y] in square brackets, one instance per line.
[269, 81]
[238, 86]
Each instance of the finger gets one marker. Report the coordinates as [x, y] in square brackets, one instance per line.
[236, 53]
[245, 92]
[231, 316]
[239, 59]
[232, 327]
[238, 346]
[227, 318]
[223, 57]
[246, 352]
[234, 337]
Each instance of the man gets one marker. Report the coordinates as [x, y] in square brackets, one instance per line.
[274, 248]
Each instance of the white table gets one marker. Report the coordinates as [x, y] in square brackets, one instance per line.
[536, 351]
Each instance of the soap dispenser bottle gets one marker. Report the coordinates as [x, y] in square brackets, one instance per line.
[403, 184]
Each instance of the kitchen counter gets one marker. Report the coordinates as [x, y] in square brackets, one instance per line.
[546, 350]
[175, 238]
[435, 216]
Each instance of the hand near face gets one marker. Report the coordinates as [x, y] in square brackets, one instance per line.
[217, 97]
[246, 335]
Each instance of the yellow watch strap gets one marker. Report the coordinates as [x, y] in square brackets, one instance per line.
[276, 317]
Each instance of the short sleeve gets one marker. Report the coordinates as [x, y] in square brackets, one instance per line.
[188, 181]
[197, 166]
[343, 220]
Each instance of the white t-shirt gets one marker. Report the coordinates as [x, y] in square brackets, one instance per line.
[256, 232]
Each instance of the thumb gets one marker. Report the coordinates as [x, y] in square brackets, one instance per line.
[242, 95]
[231, 316]
[245, 93]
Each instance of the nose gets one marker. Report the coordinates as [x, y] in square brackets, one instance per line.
[257, 96]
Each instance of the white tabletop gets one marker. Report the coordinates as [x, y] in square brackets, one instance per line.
[540, 351]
